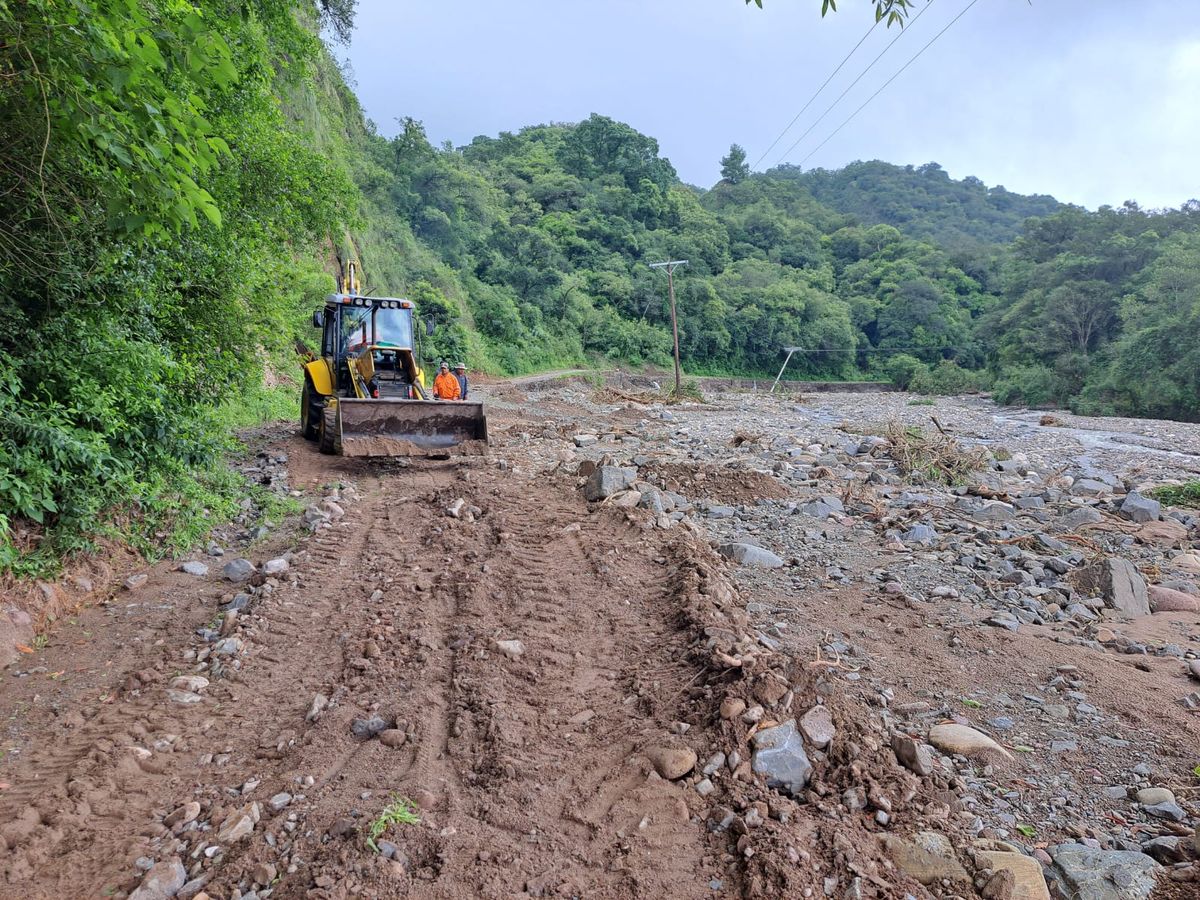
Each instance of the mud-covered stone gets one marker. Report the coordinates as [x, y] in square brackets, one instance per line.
[779, 756]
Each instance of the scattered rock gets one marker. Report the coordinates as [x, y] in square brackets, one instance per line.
[1091, 874]
[1166, 532]
[133, 582]
[922, 864]
[182, 815]
[1152, 795]
[1139, 508]
[511, 649]
[750, 555]
[393, 737]
[1120, 583]
[194, 567]
[1163, 599]
[965, 741]
[608, 480]
[369, 727]
[280, 801]
[913, 755]
[1024, 874]
[316, 706]
[276, 566]
[162, 881]
[672, 762]
[193, 683]
[779, 755]
[184, 698]
[817, 726]
[732, 707]
[238, 570]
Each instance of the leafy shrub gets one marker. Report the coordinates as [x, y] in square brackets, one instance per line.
[947, 377]
[902, 368]
[1032, 385]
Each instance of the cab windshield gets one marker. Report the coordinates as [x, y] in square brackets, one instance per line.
[370, 325]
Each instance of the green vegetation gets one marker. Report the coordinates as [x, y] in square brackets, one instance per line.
[1186, 494]
[178, 181]
[400, 811]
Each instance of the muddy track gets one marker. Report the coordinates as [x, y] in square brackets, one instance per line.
[527, 767]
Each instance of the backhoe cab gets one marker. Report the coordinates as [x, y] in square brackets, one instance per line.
[366, 395]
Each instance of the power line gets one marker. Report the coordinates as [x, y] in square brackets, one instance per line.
[805, 107]
[881, 349]
[861, 74]
[884, 86]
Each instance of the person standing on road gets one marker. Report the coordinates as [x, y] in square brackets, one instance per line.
[445, 386]
[460, 372]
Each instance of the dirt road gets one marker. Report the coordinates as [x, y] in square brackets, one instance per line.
[566, 695]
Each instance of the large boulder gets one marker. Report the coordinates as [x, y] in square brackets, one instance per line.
[1086, 873]
[1140, 509]
[1119, 583]
[1163, 599]
[608, 480]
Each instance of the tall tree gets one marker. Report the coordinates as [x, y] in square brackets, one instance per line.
[734, 167]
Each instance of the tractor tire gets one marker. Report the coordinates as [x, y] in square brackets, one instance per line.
[311, 407]
[328, 439]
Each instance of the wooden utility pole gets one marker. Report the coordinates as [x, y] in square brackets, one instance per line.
[670, 266]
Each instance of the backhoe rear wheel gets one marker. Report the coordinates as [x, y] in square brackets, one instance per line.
[310, 410]
[328, 439]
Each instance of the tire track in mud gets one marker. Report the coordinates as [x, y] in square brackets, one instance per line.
[80, 809]
[527, 769]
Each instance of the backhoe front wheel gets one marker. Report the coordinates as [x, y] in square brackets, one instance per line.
[311, 408]
[328, 439]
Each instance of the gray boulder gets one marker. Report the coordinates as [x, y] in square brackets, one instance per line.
[779, 756]
[1141, 509]
[238, 570]
[608, 480]
[920, 534]
[194, 567]
[1119, 583]
[750, 555]
[1089, 874]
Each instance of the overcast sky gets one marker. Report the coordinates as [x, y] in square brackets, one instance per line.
[1093, 101]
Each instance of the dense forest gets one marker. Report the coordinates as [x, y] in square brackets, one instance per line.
[177, 184]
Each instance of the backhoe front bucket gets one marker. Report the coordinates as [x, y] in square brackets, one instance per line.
[412, 427]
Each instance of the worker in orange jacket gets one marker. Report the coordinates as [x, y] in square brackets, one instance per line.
[445, 386]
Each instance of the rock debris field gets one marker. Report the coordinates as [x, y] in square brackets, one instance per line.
[841, 646]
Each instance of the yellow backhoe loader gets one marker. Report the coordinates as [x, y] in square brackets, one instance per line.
[366, 396]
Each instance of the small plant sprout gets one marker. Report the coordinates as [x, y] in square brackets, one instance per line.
[400, 811]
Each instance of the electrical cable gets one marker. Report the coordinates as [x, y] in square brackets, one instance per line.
[861, 74]
[888, 82]
[804, 108]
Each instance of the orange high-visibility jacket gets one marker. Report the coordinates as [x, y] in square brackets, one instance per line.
[445, 386]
